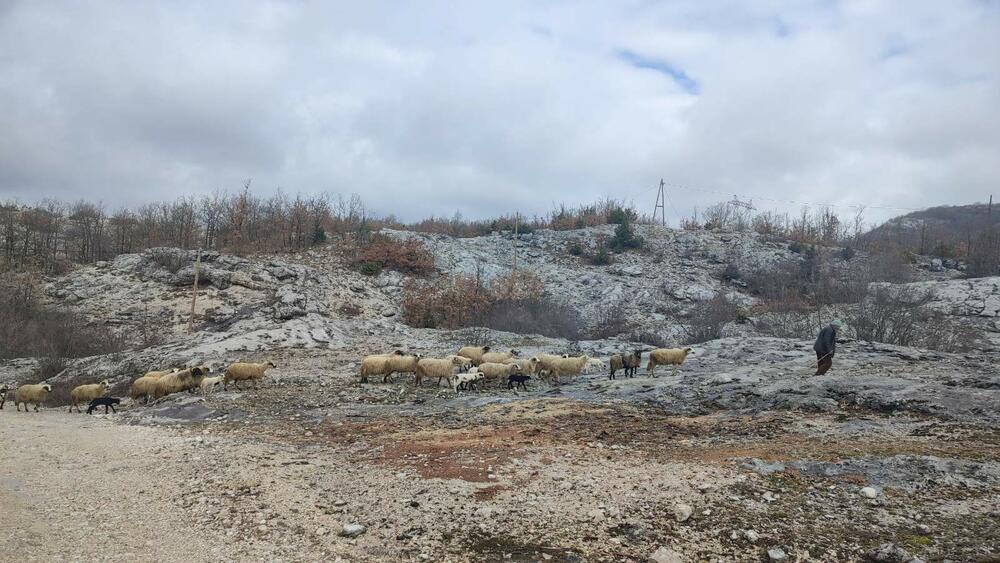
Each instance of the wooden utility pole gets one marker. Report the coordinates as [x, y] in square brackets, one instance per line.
[517, 220]
[194, 292]
[989, 209]
[661, 201]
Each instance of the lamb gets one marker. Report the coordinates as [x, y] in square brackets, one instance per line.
[465, 380]
[208, 384]
[401, 363]
[245, 371]
[557, 366]
[529, 365]
[3, 395]
[105, 402]
[474, 353]
[666, 357]
[441, 367]
[518, 380]
[86, 393]
[497, 371]
[35, 393]
[593, 365]
[498, 357]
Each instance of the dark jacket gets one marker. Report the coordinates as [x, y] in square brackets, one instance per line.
[826, 342]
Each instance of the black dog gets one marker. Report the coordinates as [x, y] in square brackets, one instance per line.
[106, 402]
[517, 380]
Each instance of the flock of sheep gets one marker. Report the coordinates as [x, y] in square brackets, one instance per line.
[471, 366]
[475, 364]
[155, 384]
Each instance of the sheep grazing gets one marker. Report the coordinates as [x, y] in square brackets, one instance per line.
[86, 393]
[474, 353]
[465, 380]
[103, 402]
[666, 357]
[441, 368]
[529, 365]
[3, 395]
[208, 384]
[499, 372]
[35, 394]
[498, 357]
[183, 380]
[245, 371]
[557, 366]
[518, 380]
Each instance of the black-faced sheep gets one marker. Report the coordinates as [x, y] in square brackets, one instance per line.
[474, 353]
[629, 361]
[245, 371]
[178, 381]
[34, 393]
[441, 368]
[103, 402]
[518, 380]
[86, 393]
[666, 357]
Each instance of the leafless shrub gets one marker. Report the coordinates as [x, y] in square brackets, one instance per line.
[709, 317]
[611, 320]
[651, 338]
[893, 316]
[785, 324]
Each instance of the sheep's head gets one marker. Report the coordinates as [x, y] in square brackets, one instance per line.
[105, 383]
[271, 364]
[486, 349]
[688, 351]
[196, 371]
[398, 353]
[47, 388]
[515, 353]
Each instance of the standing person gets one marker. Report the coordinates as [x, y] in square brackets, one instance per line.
[826, 345]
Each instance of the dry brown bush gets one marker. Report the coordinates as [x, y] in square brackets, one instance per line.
[514, 303]
[409, 256]
[709, 317]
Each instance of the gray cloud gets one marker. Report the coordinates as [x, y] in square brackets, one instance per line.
[428, 108]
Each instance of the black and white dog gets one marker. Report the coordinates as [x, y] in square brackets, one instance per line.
[103, 401]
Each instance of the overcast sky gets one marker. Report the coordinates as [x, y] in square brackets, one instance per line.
[427, 108]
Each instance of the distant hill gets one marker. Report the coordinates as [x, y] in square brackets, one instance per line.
[942, 231]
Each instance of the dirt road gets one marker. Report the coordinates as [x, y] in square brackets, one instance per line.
[76, 487]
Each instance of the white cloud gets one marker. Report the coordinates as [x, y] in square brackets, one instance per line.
[426, 108]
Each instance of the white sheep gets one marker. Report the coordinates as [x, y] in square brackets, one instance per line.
[594, 365]
[401, 363]
[441, 368]
[527, 365]
[468, 379]
[86, 393]
[245, 371]
[376, 364]
[208, 384]
[32, 393]
[474, 353]
[498, 357]
[498, 371]
[562, 365]
[666, 357]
